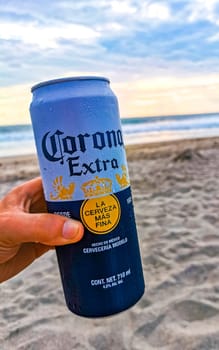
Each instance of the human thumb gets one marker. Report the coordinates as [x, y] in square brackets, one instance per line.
[49, 229]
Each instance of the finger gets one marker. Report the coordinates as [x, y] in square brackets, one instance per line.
[7, 253]
[27, 253]
[27, 197]
[48, 229]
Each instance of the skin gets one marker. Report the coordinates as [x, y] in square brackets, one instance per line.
[27, 231]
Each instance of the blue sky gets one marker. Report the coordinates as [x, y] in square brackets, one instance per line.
[162, 57]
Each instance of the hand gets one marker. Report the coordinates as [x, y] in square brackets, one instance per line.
[27, 231]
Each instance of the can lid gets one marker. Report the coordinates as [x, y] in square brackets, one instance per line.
[61, 80]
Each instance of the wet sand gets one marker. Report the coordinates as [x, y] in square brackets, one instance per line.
[175, 188]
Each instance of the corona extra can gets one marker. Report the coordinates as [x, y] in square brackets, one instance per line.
[85, 176]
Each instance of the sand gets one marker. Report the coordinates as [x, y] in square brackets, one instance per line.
[176, 196]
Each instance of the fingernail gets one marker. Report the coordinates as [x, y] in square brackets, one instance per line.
[71, 229]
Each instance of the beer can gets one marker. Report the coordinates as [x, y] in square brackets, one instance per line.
[84, 170]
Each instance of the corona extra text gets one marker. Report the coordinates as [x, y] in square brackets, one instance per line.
[58, 147]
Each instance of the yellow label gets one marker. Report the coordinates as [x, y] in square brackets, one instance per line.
[101, 215]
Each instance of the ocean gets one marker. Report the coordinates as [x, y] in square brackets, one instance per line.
[18, 139]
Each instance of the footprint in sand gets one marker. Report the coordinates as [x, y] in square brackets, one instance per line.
[192, 310]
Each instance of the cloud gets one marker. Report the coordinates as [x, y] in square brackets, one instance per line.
[122, 7]
[214, 38]
[129, 41]
[46, 37]
[156, 11]
[203, 10]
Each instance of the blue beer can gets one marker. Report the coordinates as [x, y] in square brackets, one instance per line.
[84, 170]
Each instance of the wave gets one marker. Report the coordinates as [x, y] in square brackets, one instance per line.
[174, 123]
[19, 139]
[15, 133]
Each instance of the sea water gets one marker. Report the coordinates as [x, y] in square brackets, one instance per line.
[18, 139]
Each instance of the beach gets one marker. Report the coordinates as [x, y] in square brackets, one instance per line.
[175, 188]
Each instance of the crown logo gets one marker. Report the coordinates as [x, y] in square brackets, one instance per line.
[62, 192]
[97, 187]
[123, 180]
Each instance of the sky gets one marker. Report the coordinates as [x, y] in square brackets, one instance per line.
[162, 57]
